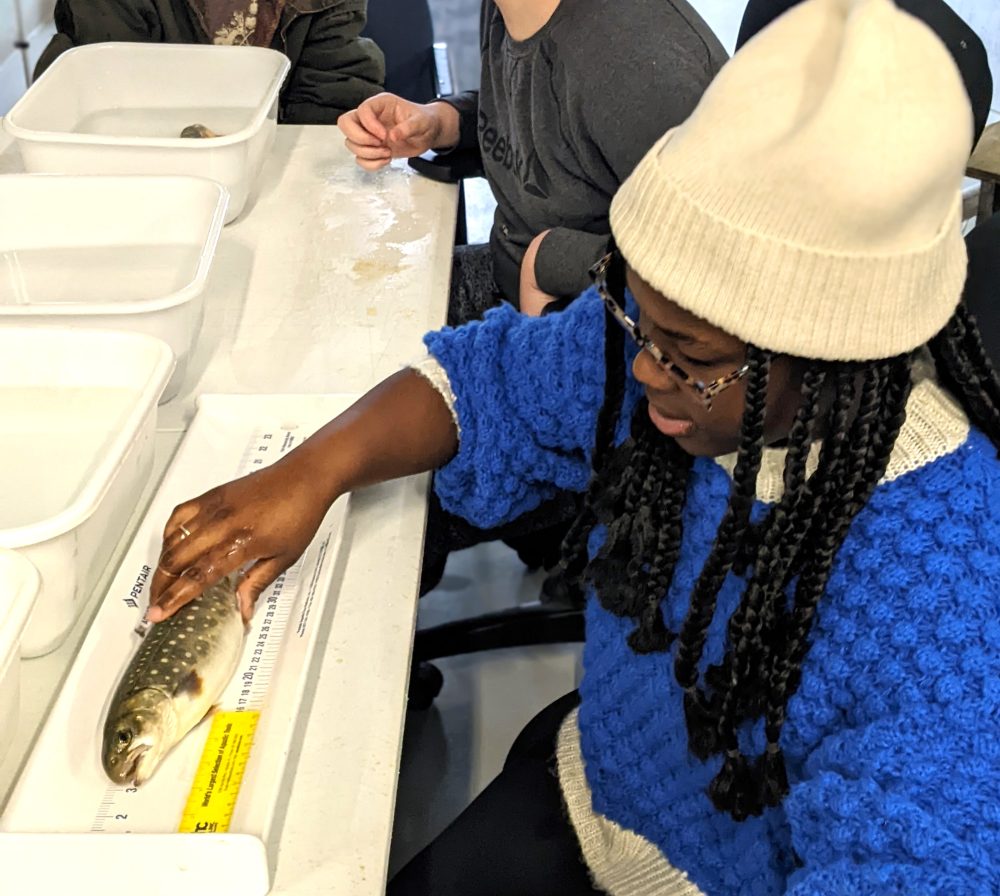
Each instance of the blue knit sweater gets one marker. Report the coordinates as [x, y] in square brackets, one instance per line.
[893, 740]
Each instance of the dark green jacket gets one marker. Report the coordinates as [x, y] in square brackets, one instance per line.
[333, 67]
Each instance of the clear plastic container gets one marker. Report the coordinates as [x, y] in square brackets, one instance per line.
[119, 108]
[77, 426]
[130, 253]
[19, 586]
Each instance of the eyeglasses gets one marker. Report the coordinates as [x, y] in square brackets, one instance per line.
[613, 264]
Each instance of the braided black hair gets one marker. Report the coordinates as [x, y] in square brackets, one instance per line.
[852, 412]
[965, 370]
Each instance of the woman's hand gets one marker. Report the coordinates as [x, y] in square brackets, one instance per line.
[386, 127]
[267, 518]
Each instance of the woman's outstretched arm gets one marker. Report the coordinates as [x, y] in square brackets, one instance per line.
[402, 426]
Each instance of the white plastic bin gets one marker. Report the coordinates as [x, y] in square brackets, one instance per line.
[119, 108]
[129, 253]
[19, 587]
[77, 421]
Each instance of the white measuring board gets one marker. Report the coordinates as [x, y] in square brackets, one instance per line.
[66, 827]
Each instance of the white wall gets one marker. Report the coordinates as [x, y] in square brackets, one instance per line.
[25, 30]
[38, 28]
[11, 60]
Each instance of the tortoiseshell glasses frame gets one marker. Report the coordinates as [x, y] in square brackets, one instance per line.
[706, 392]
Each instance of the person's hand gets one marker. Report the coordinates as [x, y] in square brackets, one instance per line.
[267, 518]
[532, 298]
[386, 127]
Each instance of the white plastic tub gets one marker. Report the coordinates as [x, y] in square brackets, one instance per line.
[77, 420]
[19, 588]
[119, 108]
[129, 253]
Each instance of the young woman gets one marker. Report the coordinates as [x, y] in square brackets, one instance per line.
[557, 132]
[792, 526]
[573, 93]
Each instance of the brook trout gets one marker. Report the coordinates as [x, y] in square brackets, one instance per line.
[181, 669]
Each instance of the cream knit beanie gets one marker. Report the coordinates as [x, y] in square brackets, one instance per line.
[811, 204]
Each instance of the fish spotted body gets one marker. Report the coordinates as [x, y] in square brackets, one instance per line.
[179, 671]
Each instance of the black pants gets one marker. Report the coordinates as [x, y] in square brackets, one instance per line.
[515, 839]
[473, 289]
[544, 527]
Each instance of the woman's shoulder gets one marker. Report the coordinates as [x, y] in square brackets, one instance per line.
[932, 526]
[941, 459]
[668, 31]
[946, 507]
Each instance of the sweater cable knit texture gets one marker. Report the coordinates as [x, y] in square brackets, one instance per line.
[892, 742]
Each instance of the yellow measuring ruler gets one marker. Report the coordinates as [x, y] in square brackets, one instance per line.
[216, 784]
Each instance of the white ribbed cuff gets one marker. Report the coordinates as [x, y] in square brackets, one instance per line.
[431, 370]
[620, 861]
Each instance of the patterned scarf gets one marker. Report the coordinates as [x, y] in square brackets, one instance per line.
[240, 22]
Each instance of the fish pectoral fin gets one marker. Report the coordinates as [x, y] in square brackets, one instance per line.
[209, 714]
[190, 684]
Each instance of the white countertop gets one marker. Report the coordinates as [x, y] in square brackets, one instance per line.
[325, 284]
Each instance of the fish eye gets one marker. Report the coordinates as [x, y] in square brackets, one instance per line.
[124, 738]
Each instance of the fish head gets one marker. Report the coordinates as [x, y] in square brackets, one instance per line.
[137, 735]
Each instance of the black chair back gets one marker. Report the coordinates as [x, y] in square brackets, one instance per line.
[405, 33]
[962, 42]
[982, 285]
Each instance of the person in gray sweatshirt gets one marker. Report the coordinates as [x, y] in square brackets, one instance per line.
[573, 93]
